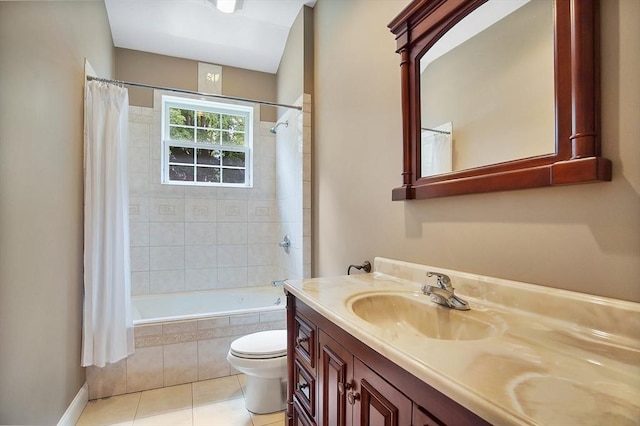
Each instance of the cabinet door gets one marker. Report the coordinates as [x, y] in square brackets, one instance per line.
[336, 371]
[376, 402]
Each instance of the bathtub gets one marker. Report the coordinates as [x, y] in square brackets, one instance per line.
[158, 308]
[184, 337]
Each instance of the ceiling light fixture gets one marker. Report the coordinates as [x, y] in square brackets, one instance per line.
[226, 6]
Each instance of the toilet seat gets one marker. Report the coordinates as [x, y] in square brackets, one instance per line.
[261, 345]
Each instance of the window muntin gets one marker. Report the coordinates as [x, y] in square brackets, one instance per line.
[206, 143]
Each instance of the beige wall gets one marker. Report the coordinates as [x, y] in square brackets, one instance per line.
[584, 238]
[290, 71]
[167, 71]
[295, 72]
[42, 51]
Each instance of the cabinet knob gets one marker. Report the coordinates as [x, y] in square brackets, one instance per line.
[300, 340]
[352, 397]
[344, 386]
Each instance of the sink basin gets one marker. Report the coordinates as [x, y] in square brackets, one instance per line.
[413, 313]
[535, 393]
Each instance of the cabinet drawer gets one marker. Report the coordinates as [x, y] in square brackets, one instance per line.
[304, 388]
[300, 417]
[305, 341]
[423, 418]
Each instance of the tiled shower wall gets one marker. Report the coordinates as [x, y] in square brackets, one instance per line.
[186, 238]
[293, 188]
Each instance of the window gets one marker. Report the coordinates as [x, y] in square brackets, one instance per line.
[206, 143]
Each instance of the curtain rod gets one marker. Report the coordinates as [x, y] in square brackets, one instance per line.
[191, 92]
[426, 129]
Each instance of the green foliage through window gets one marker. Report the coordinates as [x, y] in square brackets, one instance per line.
[206, 143]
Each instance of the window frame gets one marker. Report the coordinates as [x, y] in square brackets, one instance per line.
[210, 107]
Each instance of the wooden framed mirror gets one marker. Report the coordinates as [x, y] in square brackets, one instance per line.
[569, 131]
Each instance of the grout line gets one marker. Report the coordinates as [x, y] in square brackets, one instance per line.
[135, 414]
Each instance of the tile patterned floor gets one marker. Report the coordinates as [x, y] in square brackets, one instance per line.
[216, 402]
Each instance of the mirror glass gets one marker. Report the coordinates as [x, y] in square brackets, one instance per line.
[487, 91]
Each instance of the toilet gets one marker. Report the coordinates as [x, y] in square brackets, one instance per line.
[262, 357]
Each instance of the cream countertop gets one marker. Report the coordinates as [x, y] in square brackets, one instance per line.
[554, 358]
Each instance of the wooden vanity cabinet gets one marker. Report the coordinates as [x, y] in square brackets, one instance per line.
[352, 394]
[339, 381]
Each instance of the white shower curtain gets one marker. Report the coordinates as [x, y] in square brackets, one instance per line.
[436, 150]
[108, 326]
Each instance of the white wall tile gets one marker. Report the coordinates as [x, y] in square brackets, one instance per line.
[200, 279]
[210, 192]
[107, 381]
[269, 316]
[232, 277]
[232, 211]
[143, 368]
[138, 209]
[159, 190]
[180, 363]
[139, 283]
[232, 255]
[212, 358]
[164, 258]
[261, 254]
[138, 184]
[166, 281]
[262, 211]
[244, 319]
[264, 233]
[139, 259]
[139, 134]
[245, 222]
[225, 193]
[139, 159]
[200, 233]
[200, 210]
[166, 210]
[262, 275]
[139, 234]
[166, 234]
[201, 256]
[204, 324]
[232, 233]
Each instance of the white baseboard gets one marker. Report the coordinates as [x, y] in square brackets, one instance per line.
[71, 416]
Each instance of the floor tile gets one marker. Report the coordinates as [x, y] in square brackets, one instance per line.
[119, 409]
[215, 390]
[223, 413]
[174, 418]
[267, 419]
[164, 400]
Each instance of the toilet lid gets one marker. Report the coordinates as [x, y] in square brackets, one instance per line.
[261, 345]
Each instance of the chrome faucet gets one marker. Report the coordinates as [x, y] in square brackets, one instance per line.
[443, 293]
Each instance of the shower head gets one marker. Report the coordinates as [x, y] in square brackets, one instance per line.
[274, 129]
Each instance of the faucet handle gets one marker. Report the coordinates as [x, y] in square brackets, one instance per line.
[444, 281]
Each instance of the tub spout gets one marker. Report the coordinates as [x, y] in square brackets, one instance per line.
[276, 283]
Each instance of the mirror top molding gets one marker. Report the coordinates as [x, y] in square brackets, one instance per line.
[576, 90]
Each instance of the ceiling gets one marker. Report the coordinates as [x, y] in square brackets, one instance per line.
[253, 37]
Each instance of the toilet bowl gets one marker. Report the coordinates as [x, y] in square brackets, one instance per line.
[262, 357]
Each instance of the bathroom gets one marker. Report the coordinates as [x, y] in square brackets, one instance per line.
[582, 238]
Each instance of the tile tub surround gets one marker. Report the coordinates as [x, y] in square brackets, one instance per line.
[559, 357]
[189, 238]
[178, 352]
